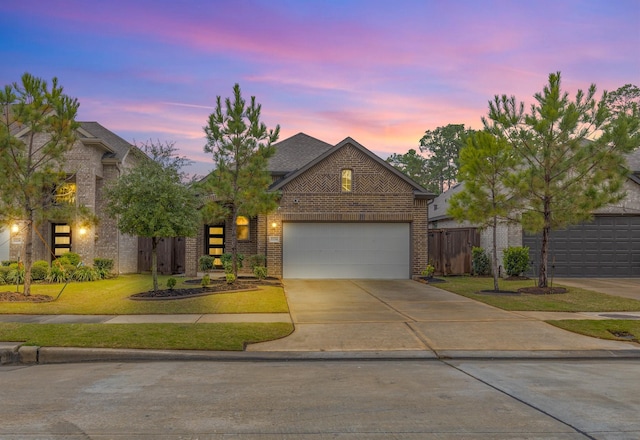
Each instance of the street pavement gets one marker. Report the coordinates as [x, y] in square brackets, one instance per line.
[427, 399]
[337, 319]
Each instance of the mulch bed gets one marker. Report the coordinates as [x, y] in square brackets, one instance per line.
[498, 292]
[216, 286]
[19, 297]
[542, 290]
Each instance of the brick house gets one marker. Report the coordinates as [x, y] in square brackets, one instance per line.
[344, 213]
[97, 157]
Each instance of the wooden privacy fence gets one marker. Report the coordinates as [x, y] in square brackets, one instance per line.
[450, 250]
[171, 255]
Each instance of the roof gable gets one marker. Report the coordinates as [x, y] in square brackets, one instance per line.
[418, 190]
[116, 147]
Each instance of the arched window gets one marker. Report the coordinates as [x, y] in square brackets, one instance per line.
[242, 228]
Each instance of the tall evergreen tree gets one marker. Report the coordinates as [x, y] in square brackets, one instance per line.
[241, 146]
[442, 147]
[413, 165]
[37, 128]
[487, 198]
[572, 156]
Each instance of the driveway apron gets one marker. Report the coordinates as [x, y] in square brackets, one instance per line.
[408, 316]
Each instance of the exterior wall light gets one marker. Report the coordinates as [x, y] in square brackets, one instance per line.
[15, 228]
[274, 225]
[83, 231]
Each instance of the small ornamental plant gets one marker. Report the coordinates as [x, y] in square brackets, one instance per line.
[206, 280]
[428, 271]
[171, 283]
[231, 278]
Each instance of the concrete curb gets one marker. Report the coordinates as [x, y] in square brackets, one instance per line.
[30, 355]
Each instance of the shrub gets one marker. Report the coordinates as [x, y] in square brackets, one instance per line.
[171, 283]
[231, 278]
[206, 262]
[103, 267]
[227, 260]
[516, 260]
[85, 273]
[257, 260]
[260, 272]
[428, 271]
[70, 258]
[205, 280]
[4, 271]
[39, 270]
[480, 263]
[15, 274]
[56, 273]
[7, 263]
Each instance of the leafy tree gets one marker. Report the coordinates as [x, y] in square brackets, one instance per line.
[412, 164]
[241, 146]
[623, 99]
[442, 146]
[37, 129]
[486, 165]
[152, 200]
[571, 152]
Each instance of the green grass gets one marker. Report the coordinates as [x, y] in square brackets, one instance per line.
[227, 336]
[110, 297]
[576, 300]
[603, 329]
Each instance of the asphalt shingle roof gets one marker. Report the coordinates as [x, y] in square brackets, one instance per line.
[119, 146]
[295, 152]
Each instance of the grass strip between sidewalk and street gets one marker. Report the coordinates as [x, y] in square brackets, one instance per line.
[615, 329]
[215, 336]
[575, 300]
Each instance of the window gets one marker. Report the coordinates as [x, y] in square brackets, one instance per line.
[61, 239]
[242, 228]
[214, 242]
[66, 193]
[347, 180]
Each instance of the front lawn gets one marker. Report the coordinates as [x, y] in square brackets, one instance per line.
[110, 297]
[575, 300]
[227, 336]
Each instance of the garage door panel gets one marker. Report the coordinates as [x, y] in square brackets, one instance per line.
[607, 247]
[346, 250]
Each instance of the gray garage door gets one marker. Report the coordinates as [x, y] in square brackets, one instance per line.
[607, 247]
[346, 250]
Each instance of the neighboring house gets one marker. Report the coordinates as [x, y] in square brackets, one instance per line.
[608, 246]
[5, 236]
[343, 213]
[97, 157]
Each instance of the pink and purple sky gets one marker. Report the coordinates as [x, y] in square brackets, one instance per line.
[381, 72]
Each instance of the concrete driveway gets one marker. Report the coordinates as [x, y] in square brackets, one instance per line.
[414, 319]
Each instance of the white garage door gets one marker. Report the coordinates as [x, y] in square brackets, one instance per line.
[346, 250]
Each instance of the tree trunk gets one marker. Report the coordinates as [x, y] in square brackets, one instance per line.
[28, 254]
[154, 262]
[544, 247]
[494, 259]
[234, 242]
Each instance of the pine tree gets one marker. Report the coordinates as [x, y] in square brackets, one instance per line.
[572, 156]
[486, 169]
[241, 146]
